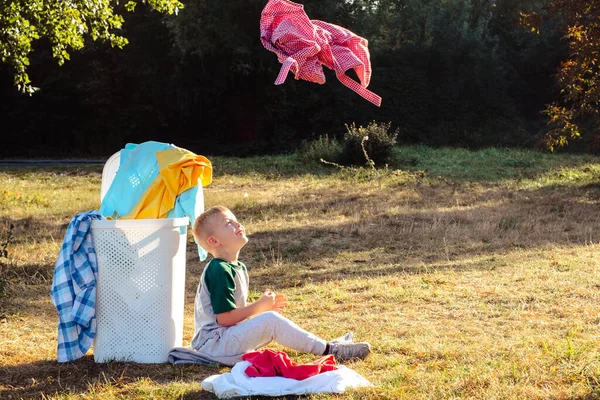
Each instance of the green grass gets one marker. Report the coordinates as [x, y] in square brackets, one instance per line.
[473, 274]
[495, 164]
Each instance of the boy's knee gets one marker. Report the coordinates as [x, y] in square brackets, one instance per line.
[271, 318]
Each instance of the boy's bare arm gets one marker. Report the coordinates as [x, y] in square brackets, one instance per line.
[268, 302]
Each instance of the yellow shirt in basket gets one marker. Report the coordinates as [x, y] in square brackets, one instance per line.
[180, 170]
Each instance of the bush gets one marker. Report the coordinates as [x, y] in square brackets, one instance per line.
[324, 147]
[379, 144]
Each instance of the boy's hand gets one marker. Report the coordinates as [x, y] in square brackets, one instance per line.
[280, 302]
[273, 301]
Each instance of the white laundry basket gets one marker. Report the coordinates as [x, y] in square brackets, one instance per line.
[140, 288]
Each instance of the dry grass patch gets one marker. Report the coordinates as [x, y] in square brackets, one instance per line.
[466, 288]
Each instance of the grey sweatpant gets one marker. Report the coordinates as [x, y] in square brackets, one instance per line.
[228, 344]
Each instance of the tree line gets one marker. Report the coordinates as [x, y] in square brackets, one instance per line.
[470, 73]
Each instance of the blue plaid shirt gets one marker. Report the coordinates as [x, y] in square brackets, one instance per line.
[74, 288]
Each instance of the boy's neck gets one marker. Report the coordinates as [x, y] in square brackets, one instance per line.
[230, 256]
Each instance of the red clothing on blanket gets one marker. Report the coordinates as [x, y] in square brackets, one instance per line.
[303, 45]
[277, 363]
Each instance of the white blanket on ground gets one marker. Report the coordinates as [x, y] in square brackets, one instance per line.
[237, 383]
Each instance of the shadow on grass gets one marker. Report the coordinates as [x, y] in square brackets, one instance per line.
[384, 232]
[193, 395]
[84, 376]
[39, 229]
[415, 238]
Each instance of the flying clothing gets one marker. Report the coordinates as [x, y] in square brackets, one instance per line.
[303, 46]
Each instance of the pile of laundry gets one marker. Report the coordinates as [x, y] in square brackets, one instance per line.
[154, 180]
[272, 373]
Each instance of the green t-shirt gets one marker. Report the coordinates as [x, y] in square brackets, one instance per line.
[220, 280]
[223, 287]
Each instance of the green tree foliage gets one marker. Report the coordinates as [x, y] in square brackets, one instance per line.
[127, 93]
[445, 71]
[579, 75]
[65, 24]
[451, 72]
[226, 79]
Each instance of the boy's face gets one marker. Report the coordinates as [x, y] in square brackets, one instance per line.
[227, 232]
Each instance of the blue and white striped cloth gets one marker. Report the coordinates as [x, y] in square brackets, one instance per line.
[74, 288]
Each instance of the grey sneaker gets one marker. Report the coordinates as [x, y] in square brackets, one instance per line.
[347, 338]
[348, 351]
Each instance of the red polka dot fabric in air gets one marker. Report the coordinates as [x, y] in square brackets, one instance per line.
[303, 46]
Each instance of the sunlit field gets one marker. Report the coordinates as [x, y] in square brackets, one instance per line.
[474, 275]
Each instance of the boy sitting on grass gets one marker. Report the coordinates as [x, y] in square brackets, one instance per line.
[226, 326]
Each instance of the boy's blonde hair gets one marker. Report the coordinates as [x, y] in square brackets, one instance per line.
[202, 228]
